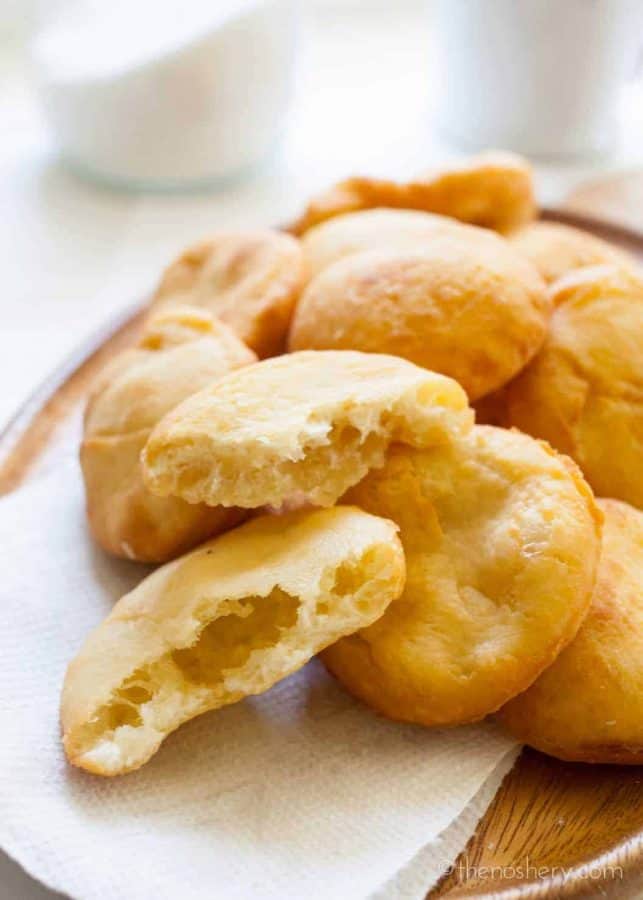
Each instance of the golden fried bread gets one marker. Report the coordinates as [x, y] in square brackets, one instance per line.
[587, 705]
[471, 309]
[583, 392]
[112, 370]
[555, 249]
[178, 348]
[501, 537]
[228, 620]
[494, 190]
[381, 229]
[305, 425]
[130, 522]
[248, 279]
[181, 351]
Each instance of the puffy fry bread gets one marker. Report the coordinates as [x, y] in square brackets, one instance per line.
[587, 706]
[181, 351]
[501, 537]
[556, 249]
[468, 308]
[494, 190]
[303, 425]
[583, 392]
[382, 229]
[228, 620]
[248, 279]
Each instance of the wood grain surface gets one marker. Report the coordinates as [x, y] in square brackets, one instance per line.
[554, 829]
[616, 198]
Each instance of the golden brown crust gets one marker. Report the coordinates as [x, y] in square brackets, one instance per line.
[227, 620]
[501, 537]
[380, 229]
[130, 522]
[587, 706]
[583, 392]
[556, 249]
[469, 308]
[180, 351]
[249, 279]
[494, 190]
[179, 348]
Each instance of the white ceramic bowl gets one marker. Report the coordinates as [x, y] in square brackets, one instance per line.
[193, 97]
[535, 76]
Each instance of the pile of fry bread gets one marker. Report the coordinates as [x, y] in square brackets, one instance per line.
[406, 435]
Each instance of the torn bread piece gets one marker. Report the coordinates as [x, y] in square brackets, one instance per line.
[230, 619]
[180, 351]
[307, 425]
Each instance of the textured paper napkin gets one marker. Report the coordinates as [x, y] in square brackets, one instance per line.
[301, 792]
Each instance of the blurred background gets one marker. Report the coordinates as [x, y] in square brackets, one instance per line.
[130, 129]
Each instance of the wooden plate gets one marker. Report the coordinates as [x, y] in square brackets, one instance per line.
[554, 829]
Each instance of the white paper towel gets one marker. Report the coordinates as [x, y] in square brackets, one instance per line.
[301, 792]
